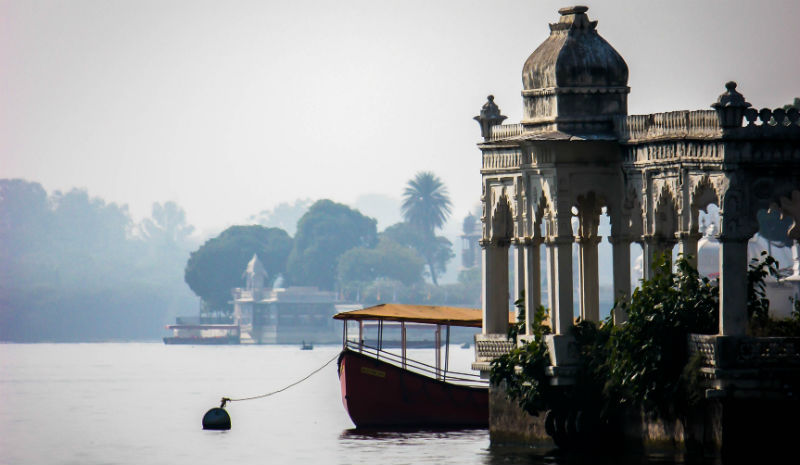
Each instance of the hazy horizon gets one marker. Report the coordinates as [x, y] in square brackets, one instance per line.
[233, 108]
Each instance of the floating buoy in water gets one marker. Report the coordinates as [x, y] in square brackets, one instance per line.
[217, 418]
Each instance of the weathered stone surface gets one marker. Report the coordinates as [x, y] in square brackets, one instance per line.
[574, 81]
[509, 424]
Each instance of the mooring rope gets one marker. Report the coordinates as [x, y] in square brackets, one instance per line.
[228, 399]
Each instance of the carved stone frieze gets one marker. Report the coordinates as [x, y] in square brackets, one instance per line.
[502, 221]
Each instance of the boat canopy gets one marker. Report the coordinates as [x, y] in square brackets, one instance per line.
[431, 314]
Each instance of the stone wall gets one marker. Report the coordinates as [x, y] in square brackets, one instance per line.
[509, 424]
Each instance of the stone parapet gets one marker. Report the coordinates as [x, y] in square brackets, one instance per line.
[700, 124]
[748, 367]
[487, 348]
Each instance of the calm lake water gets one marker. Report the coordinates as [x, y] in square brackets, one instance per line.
[142, 403]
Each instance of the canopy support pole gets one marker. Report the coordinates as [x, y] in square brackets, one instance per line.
[380, 339]
[360, 335]
[446, 353]
[438, 342]
[403, 341]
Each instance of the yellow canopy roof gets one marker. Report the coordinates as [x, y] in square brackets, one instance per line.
[432, 314]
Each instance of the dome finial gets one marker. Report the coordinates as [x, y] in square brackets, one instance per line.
[573, 10]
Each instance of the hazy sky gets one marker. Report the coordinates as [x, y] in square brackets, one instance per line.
[230, 107]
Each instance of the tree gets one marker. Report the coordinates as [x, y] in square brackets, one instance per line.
[388, 260]
[70, 270]
[426, 207]
[774, 229]
[285, 215]
[217, 266]
[324, 233]
[436, 250]
[426, 203]
[167, 224]
[25, 217]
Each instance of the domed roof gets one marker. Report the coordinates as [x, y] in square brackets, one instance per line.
[574, 56]
[574, 82]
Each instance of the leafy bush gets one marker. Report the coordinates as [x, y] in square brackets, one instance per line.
[640, 363]
[644, 363]
[646, 356]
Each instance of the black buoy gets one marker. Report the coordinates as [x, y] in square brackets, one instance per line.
[217, 418]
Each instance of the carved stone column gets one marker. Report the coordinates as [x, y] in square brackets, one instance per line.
[533, 279]
[589, 281]
[494, 283]
[733, 286]
[562, 311]
[621, 258]
[519, 268]
[688, 246]
[652, 248]
[550, 255]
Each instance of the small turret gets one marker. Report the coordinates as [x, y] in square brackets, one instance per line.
[730, 107]
[490, 116]
[255, 274]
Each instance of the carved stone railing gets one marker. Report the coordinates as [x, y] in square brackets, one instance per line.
[748, 367]
[488, 347]
[502, 159]
[773, 118]
[700, 124]
[503, 131]
[746, 352]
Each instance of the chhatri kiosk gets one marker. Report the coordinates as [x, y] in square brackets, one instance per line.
[577, 153]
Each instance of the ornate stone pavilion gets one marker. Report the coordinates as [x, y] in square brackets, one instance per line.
[577, 153]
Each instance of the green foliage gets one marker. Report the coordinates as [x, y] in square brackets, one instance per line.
[517, 328]
[388, 260]
[217, 266]
[436, 250]
[167, 225]
[324, 233]
[757, 301]
[646, 356]
[76, 268]
[523, 369]
[426, 203]
[638, 364]
[426, 207]
[774, 229]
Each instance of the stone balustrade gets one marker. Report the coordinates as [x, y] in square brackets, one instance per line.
[502, 160]
[700, 124]
[488, 347]
[746, 352]
[503, 131]
[774, 118]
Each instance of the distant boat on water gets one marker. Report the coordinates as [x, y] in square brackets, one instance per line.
[307, 346]
[196, 331]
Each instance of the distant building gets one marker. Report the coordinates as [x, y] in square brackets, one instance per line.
[284, 316]
[470, 242]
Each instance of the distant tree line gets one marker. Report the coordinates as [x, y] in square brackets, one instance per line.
[75, 268]
[337, 248]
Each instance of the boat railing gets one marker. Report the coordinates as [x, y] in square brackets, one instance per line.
[416, 366]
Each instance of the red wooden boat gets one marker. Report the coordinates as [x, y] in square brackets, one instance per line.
[382, 389]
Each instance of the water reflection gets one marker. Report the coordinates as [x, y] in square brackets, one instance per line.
[473, 447]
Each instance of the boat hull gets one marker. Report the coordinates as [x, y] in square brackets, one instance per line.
[377, 394]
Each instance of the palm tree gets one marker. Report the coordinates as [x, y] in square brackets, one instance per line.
[426, 206]
[425, 202]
